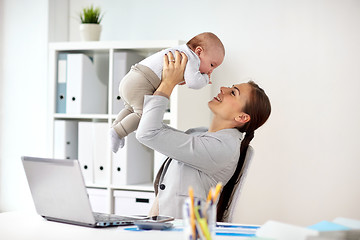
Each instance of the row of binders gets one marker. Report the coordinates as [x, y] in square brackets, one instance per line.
[82, 82]
[89, 142]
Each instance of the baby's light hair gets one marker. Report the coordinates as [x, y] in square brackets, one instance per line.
[204, 40]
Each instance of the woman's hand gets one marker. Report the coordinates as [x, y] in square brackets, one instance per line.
[173, 73]
[174, 67]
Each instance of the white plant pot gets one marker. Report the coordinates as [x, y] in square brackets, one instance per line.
[90, 32]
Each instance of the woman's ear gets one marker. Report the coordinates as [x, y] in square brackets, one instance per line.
[198, 50]
[243, 118]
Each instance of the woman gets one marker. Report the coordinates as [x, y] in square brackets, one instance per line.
[200, 158]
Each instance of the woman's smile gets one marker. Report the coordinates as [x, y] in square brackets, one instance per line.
[217, 98]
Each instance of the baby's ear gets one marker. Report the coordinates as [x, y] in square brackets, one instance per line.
[198, 50]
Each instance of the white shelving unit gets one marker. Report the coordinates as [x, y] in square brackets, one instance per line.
[188, 108]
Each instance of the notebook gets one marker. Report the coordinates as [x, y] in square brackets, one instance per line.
[59, 193]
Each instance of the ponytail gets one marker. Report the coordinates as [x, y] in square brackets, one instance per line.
[228, 190]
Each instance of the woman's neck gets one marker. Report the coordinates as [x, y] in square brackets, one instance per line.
[220, 124]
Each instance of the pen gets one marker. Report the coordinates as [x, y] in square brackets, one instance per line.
[198, 228]
[203, 224]
[192, 214]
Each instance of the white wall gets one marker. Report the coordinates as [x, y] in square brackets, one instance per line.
[304, 53]
[23, 95]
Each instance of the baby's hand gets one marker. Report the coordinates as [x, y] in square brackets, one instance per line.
[209, 78]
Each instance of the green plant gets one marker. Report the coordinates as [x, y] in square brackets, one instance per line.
[91, 15]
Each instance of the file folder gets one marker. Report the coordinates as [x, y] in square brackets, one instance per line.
[85, 151]
[122, 64]
[85, 92]
[61, 83]
[65, 139]
[132, 164]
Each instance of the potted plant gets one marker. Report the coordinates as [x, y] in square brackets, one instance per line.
[90, 27]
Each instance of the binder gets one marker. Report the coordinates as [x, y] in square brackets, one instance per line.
[65, 139]
[132, 164]
[85, 151]
[61, 83]
[100, 136]
[85, 92]
[119, 165]
[93, 151]
[122, 64]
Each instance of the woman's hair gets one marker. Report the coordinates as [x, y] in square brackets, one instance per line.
[259, 108]
[205, 40]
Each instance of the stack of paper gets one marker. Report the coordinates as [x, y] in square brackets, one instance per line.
[338, 229]
[240, 230]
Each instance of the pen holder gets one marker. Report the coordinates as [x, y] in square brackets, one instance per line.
[203, 223]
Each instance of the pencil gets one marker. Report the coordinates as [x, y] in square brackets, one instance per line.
[217, 191]
[209, 195]
[192, 213]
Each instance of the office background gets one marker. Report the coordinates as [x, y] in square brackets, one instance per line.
[305, 54]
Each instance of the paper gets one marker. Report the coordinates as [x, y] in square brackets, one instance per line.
[283, 231]
[351, 223]
[328, 226]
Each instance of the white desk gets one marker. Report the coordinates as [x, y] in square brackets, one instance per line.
[26, 225]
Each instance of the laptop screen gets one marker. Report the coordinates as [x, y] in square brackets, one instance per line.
[58, 189]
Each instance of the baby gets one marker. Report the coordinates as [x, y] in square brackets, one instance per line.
[205, 52]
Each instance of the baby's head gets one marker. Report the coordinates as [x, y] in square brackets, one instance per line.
[209, 49]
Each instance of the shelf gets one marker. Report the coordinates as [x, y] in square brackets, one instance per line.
[61, 116]
[96, 186]
[167, 116]
[104, 46]
[145, 187]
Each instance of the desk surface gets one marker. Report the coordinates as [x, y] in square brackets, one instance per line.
[29, 225]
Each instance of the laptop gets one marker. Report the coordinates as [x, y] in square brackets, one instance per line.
[59, 193]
